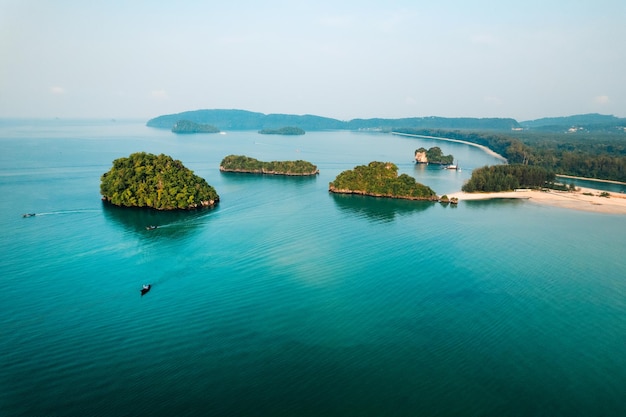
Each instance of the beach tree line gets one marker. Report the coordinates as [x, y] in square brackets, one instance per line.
[160, 182]
[497, 178]
[380, 179]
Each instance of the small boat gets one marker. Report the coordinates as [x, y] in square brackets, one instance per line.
[151, 227]
[145, 288]
[453, 167]
[29, 215]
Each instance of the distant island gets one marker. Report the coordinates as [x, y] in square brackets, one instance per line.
[245, 164]
[380, 179]
[158, 182]
[287, 130]
[433, 155]
[187, 126]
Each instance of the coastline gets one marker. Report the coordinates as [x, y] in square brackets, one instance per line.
[615, 203]
[591, 179]
[583, 199]
[484, 148]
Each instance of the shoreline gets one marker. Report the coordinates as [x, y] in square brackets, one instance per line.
[615, 203]
[482, 147]
[590, 179]
[583, 199]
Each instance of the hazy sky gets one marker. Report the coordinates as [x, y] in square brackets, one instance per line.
[524, 59]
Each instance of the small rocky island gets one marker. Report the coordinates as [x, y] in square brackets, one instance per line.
[287, 130]
[433, 155]
[380, 179]
[187, 126]
[158, 182]
[242, 163]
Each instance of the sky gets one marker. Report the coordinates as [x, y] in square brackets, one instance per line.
[341, 59]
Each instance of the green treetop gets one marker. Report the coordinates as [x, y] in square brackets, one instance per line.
[160, 182]
[380, 179]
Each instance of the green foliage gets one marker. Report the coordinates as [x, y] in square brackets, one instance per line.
[436, 156]
[187, 126]
[497, 178]
[380, 179]
[287, 130]
[242, 163]
[160, 182]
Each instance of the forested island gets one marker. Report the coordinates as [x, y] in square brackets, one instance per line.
[187, 126]
[380, 179]
[497, 178]
[287, 130]
[433, 155]
[158, 182]
[246, 164]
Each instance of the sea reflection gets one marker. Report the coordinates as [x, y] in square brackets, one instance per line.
[496, 202]
[378, 209]
[151, 222]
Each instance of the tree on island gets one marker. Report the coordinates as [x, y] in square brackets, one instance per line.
[187, 126]
[433, 155]
[498, 178]
[242, 163]
[380, 179]
[159, 182]
[287, 130]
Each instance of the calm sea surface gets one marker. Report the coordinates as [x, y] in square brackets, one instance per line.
[289, 301]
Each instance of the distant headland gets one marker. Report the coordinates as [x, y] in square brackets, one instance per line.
[246, 120]
[234, 119]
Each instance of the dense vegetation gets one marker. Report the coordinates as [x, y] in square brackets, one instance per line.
[160, 182]
[435, 156]
[591, 155]
[242, 163]
[187, 126]
[380, 179]
[287, 130]
[497, 178]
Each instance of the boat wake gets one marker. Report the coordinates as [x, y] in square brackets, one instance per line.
[51, 213]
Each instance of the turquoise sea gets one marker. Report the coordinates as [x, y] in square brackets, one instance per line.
[286, 300]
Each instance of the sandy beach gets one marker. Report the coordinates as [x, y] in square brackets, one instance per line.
[585, 199]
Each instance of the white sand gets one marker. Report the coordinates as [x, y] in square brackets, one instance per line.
[614, 204]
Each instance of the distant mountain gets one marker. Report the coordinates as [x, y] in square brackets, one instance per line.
[247, 120]
[591, 121]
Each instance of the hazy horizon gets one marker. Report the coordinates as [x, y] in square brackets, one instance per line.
[343, 60]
